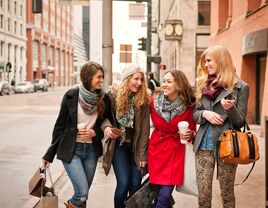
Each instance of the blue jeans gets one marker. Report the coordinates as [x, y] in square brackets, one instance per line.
[128, 177]
[81, 171]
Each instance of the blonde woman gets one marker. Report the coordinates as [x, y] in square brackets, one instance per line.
[221, 103]
[130, 106]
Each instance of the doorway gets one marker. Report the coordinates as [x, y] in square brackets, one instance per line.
[260, 83]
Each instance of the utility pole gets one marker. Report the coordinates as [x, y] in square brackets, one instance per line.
[149, 35]
[107, 42]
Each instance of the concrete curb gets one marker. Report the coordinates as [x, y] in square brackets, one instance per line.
[33, 201]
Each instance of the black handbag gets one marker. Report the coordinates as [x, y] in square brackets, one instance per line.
[144, 197]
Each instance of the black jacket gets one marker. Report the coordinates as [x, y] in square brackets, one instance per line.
[65, 129]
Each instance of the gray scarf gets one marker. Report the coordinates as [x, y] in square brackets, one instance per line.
[168, 110]
[88, 100]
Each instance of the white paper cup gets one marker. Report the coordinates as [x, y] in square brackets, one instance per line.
[81, 125]
[183, 127]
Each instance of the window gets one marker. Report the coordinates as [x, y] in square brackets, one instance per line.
[8, 51]
[8, 24]
[1, 48]
[203, 12]
[8, 5]
[15, 27]
[253, 5]
[125, 53]
[21, 29]
[223, 14]
[1, 21]
[21, 10]
[1, 3]
[202, 41]
[15, 7]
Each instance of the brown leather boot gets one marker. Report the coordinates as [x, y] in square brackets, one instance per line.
[68, 204]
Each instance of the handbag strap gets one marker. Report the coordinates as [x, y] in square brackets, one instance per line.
[218, 158]
[46, 170]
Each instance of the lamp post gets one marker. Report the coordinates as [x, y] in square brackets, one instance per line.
[149, 35]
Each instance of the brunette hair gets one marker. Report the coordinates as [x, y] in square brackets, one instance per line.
[87, 72]
[183, 87]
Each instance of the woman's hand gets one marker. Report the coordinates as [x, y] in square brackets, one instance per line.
[112, 133]
[46, 164]
[186, 135]
[227, 104]
[213, 118]
[86, 133]
[143, 164]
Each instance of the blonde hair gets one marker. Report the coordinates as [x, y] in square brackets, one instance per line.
[122, 101]
[225, 73]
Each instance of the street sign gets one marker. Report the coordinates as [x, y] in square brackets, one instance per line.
[156, 59]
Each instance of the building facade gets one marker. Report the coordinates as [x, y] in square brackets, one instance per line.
[242, 27]
[50, 48]
[13, 40]
[181, 52]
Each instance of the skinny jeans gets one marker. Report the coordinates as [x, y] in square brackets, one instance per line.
[81, 171]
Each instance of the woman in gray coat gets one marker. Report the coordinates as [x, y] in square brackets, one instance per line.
[221, 104]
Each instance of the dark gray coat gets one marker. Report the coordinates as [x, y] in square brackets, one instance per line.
[236, 115]
[65, 128]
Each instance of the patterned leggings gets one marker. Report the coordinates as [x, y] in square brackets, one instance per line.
[205, 163]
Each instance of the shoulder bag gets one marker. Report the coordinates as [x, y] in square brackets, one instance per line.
[235, 147]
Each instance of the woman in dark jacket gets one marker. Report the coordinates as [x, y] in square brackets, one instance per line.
[77, 133]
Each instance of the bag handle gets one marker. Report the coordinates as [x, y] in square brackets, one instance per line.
[46, 170]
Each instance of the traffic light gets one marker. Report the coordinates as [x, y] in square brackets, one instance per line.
[142, 44]
[162, 66]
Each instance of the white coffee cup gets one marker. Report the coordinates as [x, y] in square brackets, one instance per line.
[183, 127]
[82, 125]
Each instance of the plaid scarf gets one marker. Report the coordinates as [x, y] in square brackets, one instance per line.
[168, 110]
[88, 100]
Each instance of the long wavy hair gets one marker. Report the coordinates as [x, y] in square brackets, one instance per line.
[87, 72]
[183, 87]
[122, 101]
[225, 74]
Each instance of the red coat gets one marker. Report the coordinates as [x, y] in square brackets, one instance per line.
[165, 151]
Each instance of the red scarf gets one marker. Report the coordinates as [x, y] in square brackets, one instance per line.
[211, 91]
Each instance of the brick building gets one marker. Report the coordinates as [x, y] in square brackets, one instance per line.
[50, 43]
[242, 27]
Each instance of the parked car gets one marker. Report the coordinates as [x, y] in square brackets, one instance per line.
[40, 84]
[5, 88]
[24, 87]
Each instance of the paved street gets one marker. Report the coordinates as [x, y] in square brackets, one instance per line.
[26, 122]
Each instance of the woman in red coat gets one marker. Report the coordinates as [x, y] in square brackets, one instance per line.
[172, 104]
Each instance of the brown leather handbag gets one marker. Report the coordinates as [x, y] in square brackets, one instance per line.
[235, 147]
[238, 147]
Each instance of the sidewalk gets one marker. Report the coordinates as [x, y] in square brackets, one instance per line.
[249, 195]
